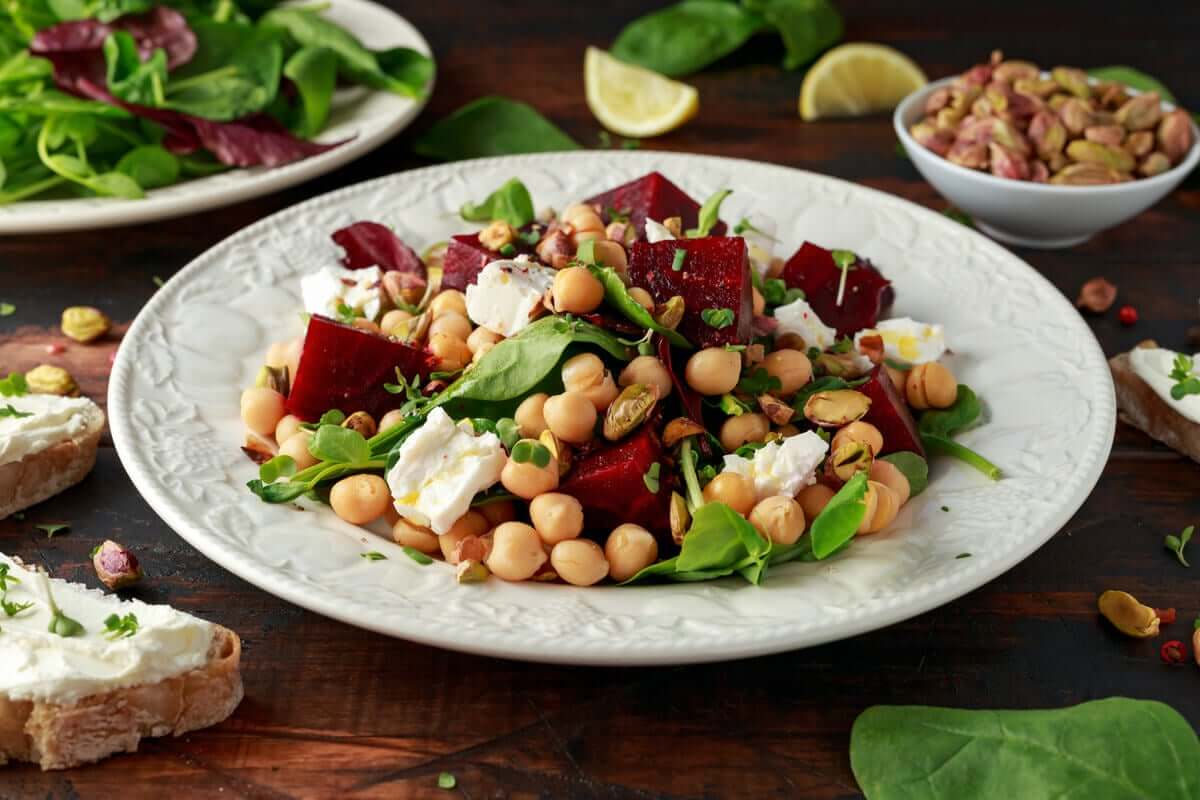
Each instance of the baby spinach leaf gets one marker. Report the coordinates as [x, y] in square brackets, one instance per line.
[245, 84]
[719, 538]
[491, 126]
[1134, 79]
[686, 37]
[709, 214]
[14, 385]
[938, 426]
[914, 468]
[128, 77]
[313, 71]
[511, 203]
[943, 446]
[808, 27]
[340, 445]
[150, 166]
[21, 67]
[838, 522]
[1112, 748]
[616, 294]
[281, 466]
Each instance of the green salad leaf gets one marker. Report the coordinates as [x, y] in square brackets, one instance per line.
[617, 295]
[686, 37]
[808, 27]
[913, 467]
[492, 126]
[840, 519]
[939, 425]
[511, 203]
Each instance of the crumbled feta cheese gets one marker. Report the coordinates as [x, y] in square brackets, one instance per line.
[781, 467]
[506, 294]
[798, 317]
[657, 232]
[907, 340]
[441, 467]
[360, 289]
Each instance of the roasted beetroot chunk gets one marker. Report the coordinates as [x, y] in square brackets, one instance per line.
[345, 368]
[609, 483]
[650, 196]
[890, 414]
[465, 257]
[715, 274]
[867, 296]
[369, 244]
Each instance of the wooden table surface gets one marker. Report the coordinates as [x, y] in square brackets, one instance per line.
[333, 711]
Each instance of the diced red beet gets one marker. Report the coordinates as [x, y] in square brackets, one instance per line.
[867, 295]
[465, 257]
[715, 274]
[650, 196]
[344, 367]
[609, 483]
[369, 244]
[889, 413]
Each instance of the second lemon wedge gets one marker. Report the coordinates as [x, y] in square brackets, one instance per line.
[858, 78]
[634, 101]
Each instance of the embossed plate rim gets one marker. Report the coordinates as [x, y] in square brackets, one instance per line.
[673, 647]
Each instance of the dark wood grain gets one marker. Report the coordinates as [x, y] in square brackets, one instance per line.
[332, 711]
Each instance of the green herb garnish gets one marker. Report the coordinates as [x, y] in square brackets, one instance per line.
[120, 627]
[446, 780]
[9, 411]
[963, 555]
[1185, 381]
[776, 292]
[373, 555]
[508, 250]
[759, 382]
[60, 623]
[677, 259]
[52, 529]
[717, 317]
[11, 609]
[709, 212]
[1176, 544]
[348, 314]
[417, 556]
[6, 579]
[651, 478]
[7, 309]
[529, 451]
[511, 203]
[281, 466]
[14, 385]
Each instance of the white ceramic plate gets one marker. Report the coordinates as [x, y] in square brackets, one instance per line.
[174, 393]
[366, 118]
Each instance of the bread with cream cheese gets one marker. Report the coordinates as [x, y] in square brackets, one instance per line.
[1140, 406]
[44, 473]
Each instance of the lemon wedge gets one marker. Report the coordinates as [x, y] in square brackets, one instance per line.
[855, 79]
[634, 101]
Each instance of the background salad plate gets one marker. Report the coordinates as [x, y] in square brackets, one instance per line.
[173, 404]
[365, 119]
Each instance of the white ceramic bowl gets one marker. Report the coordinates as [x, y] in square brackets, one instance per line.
[1034, 214]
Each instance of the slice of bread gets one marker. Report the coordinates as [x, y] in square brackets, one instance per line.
[1141, 407]
[41, 475]
[63, 736]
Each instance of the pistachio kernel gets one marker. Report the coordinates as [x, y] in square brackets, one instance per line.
[559, 449]
[680, 518]
[1128, 615]
[680, 428]
[85, 324]
[362, 422]
[629, 410]
[850, 458]
[48, 379]
[471, 571]
[274, 378]
[836, 408]
[776, 410]
[670, 313]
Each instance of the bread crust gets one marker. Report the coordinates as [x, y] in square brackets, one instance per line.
[41, 475]
[1141, 407]
[63, 736]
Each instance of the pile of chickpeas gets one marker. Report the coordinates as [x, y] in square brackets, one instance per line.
[493, 538]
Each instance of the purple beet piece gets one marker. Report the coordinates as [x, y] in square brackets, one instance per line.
[465, 257]
[715, 274]
[609, 483]
[867, 296]
[344, 367]
[650, 196]
[369, 244]
[889, 413]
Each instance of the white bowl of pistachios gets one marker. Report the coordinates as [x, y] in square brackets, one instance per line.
[1045, 159]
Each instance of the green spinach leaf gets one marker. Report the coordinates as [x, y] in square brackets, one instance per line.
[511, 203]
[245, 84]
[720, 542]
[128, 77]
[616, 294]
[808, 27]
[492, 126]
[839, 521]
[914, 468]
[686, 37]
[313, 71]
[1112, 748]
[938, 426]
[340, 445]
[150, 166]
[1134, 79]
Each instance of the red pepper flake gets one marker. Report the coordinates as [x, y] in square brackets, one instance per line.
[55, 349]
[1173, 652]
[1165, 615]
[1127, 315]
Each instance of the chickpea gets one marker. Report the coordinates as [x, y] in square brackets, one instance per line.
[453, 324]
[291, 355]
[360, 498]
[899, 377]
[527, 480]
[931, 386]
[577, 291]
[582, 372]
[517, 552]
[296, 446]
[611, 254]
[758, 302]
[471, 523]
[883, 511]
[498, 512]
[262, 408]
[481, 337]
[579, 562]
[582, 217]
[276, 355]
[448, 300]
[648, 371]
[287, 427]
[862, 432]
[409, 534]
[390, 515]
[530, 415]
[733, 490]
[791, 367]
[571, 417]
[629, 549]
[642, 298]
[788, 430]
[556, 517]
[780, 519]
[713, 370]
[889, 475]
[737, 431]
[391, 419]
[450, 350]
[602, 394]
[813, 499]
[775, 268]
[395, 321]
[364, 324]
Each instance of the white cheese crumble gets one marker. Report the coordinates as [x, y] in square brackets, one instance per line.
[798, 317]
[360, 289]
[506, 294]
[781, 467]
[442, 466]
[657, 232]
[905, 339]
